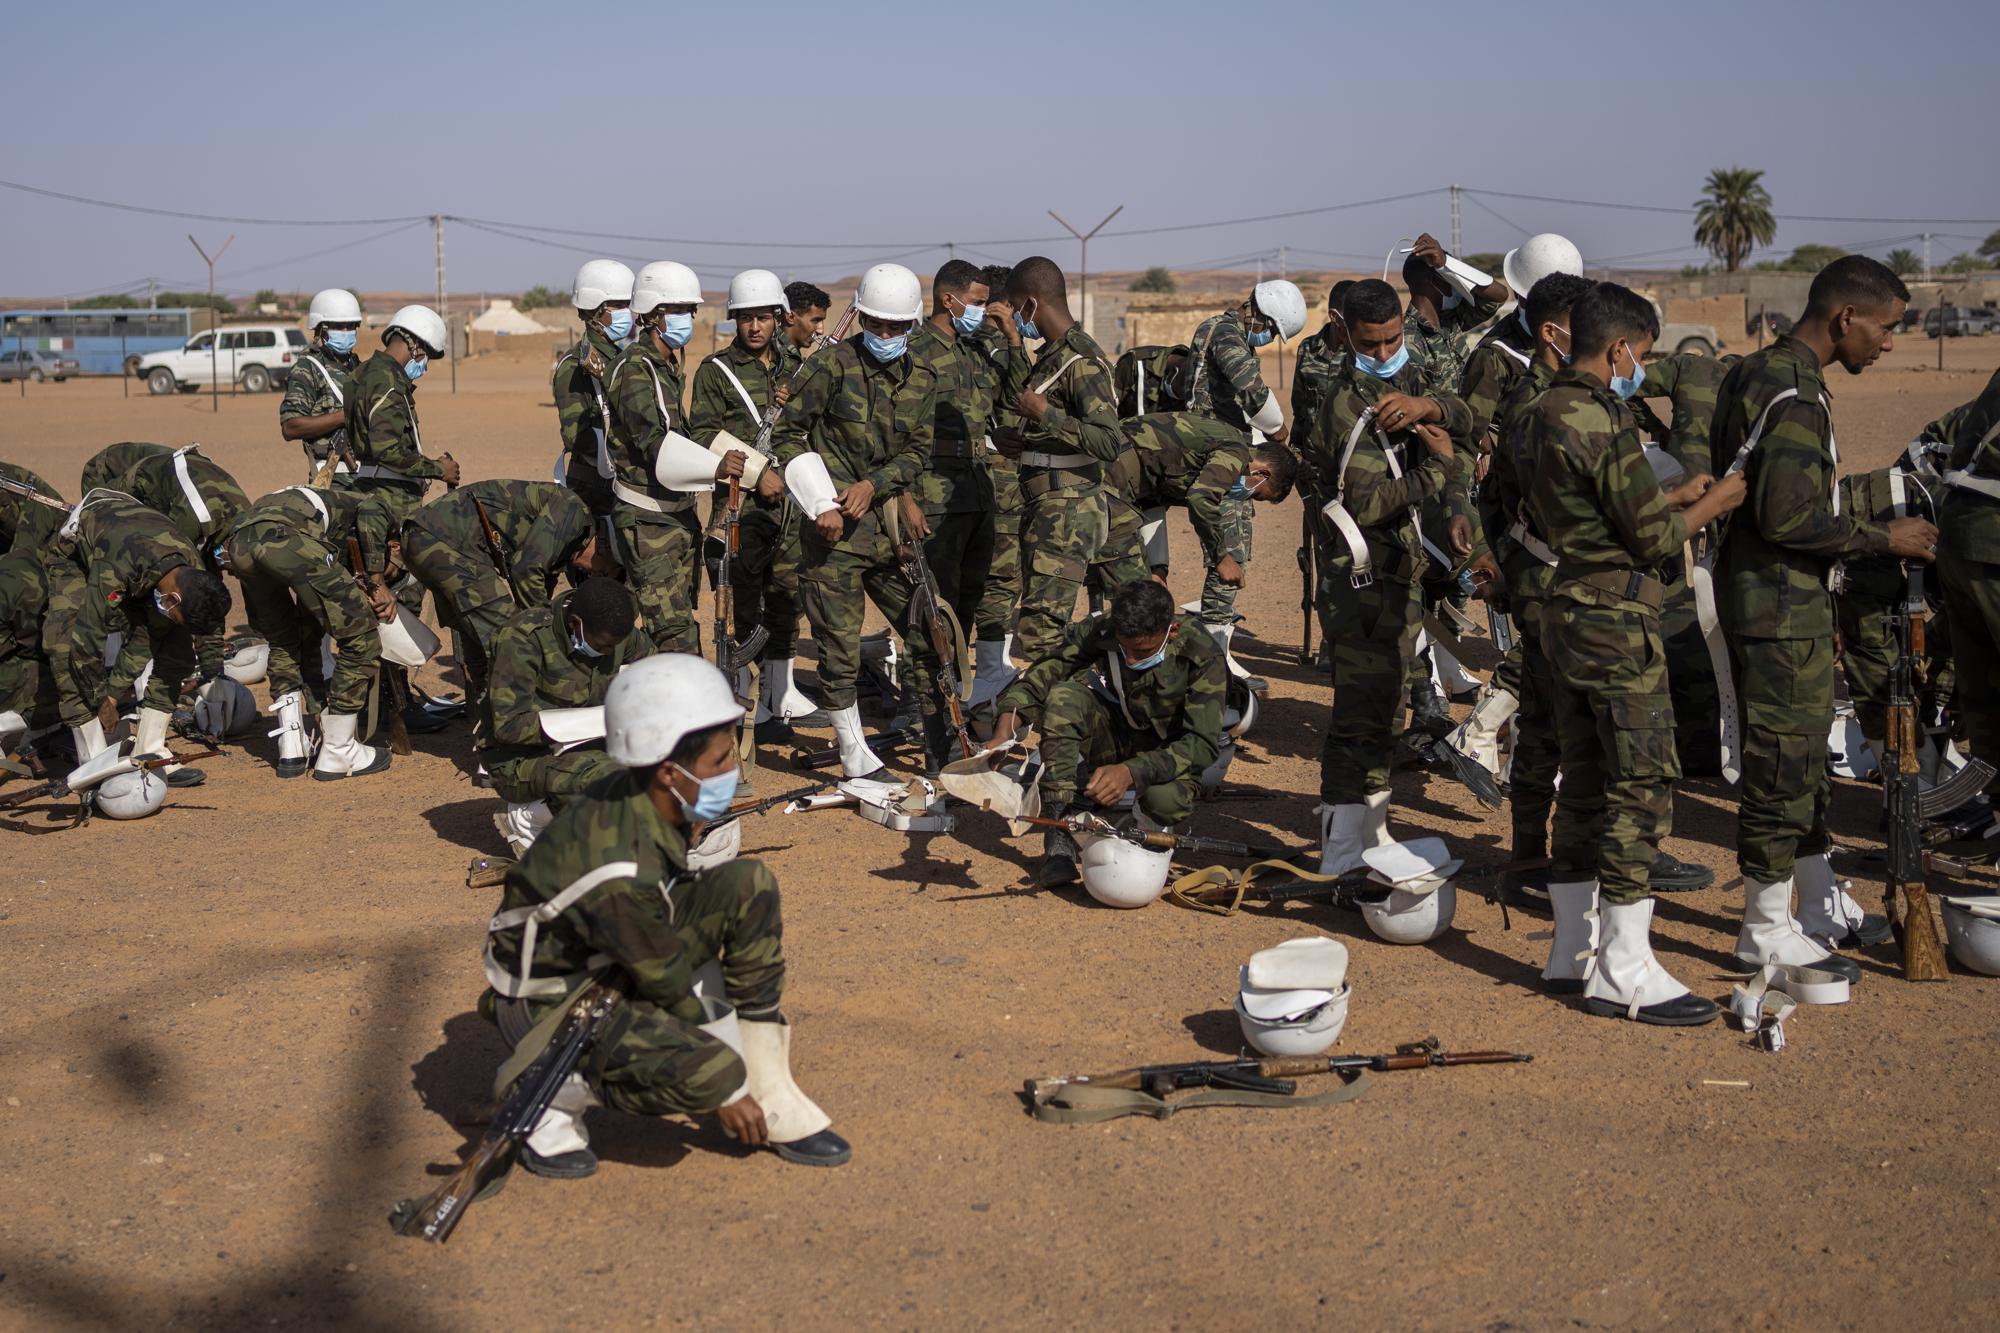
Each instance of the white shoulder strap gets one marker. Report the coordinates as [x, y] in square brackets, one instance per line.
[534, 917]
[332, 385]
[1737, 463]
[325, 520]
[749, 403]
[1114, 676]
[1068, 361]
[188, 488]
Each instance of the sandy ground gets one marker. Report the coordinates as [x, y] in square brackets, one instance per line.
[240, 1031]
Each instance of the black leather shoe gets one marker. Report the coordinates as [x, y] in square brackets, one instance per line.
[817, 720]
[1561, 986]
[187, 777]
[420, 721]
[1672, 875]
[825, 1148]
[1685, 1011]
[293, 768]
[563, 1166]
[1872, 930]
[774, 730]
[1058, 864]
[1427, 713]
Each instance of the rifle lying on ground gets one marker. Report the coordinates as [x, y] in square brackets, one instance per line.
[1169, 842]
[58, 787]
[496, 546]
[532, 1090]
[1272, 1074]
[769, 803]
[894, 739]
[731, 656]
[932, 616]
[388, 676]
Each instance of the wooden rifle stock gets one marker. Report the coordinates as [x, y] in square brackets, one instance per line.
[1915, 924]
[387, 677]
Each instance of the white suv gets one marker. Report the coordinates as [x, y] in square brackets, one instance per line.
[256, 356]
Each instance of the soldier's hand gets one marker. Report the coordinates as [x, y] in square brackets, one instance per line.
[1282, 435]
[1482, 467]
[1685, 494]
[782, 394]
[1458, 531]
[1001, 316]
[1436, 439]
[830, 525]
[915, 525]
[1229, 572]
[1009, 441]
[1031, 405]
[383, 602]
[743, 1120]
[1005, 729]
[1401, 411]
[1109, 784]
[854, 501]
[732, 466]
[450, 466]
[1429, 250]
[107, 717]
[1913, 539]
[771, 486]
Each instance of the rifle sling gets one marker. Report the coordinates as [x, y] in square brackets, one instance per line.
[1187, 890]
[1088, 1103]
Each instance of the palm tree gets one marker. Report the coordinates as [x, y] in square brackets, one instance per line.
[1734, 215]
[1904, 262]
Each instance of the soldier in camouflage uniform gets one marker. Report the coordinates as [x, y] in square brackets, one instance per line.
[1969, 561]
[26, 525]
[314, 408]
[806, 307]
[603, 297]
[1131, 701]
[1411, 445]
[1777, 560]
[382, 429]
[27, 689]
[699, 953]
[1439, 315]
[1599, 502]
[1151, 379]
[562, 654]
[1179, 460]
[999, 599]
[1320, 358]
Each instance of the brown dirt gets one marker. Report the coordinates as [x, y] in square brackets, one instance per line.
[241, 1030]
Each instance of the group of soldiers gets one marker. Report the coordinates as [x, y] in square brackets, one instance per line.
[973, 464]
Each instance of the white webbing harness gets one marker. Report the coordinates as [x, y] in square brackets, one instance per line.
[74, 523]
[636, 498]
[1742, 459]
[749, 403]
[195, 502]
[1114, 680]
[1334, 511]
[1966, 479]
[312, 496]
[378, 470]
[520, 985]
[1040, 458]
[332, 385]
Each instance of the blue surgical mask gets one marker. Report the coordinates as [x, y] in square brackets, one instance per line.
[160, 604]
[1624, 387]
[340, 340]
[1383, 370]
[620, 327]
[1258, 337]
[675, 330]
[1026, 328]
[969, 318]
[1239, 489]
[712, 797]
[1148, 663]
[582, 646]
[415, 367]
[885, 349]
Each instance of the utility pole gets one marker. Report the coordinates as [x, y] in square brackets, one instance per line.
[1455, 238]
[1927, 256]
[214, 323]
[450, 353]
[1284, 265]
[1083, 262]
[152, 294]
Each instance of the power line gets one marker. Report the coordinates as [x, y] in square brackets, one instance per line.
[205, 217]
[1689, 210]
[1483, 207]
[490, 223]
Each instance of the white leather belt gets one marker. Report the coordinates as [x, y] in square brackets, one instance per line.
[312, 497]
[641, 500]
[1034, 459]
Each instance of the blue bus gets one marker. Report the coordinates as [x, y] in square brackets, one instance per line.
[98, 339]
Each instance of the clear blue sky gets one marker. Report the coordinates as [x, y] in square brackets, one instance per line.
[894, 126]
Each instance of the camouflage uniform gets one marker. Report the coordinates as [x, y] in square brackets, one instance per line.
[1968, 562]
[321, 381]
[1067, 520]
[291, 557]
[1121, 558]
[1439, 349]
[26, 685]
[536, 666]
[1142, 383]
[1180, 460]
[1770, 578]
[1871, 588]
[956, 485]
[764, 577]
[655, 923]
[1321, 363]
[867, 422]
[994, 615]
[1373, 629]
[583, 416]
[24, 524]
[389, 451]
[100, 580]
[541, 526]
[658, 534]
[1496, 365]
[1229, 387]
[1092, 710]
[1598, 500]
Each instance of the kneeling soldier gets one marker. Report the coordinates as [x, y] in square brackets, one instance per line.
[607, 886]
[1136, 697]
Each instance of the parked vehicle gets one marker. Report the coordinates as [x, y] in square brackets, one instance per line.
[32, 363]
[103, 342]
[1700, 339]
[1959, 321]
[256, 357]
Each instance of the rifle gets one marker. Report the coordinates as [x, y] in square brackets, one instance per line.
[932, 615]
[1168, 842]
[730, 655]
[770, 803]
[496, 546]
[434, 1217]
[1308, 586]
[1272, 1074]
[59, 786]
[894, 739]
[762, 444]
[22, 488]
[387, 675]
[1916, 929]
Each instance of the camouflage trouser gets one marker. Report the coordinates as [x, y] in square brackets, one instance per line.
[1122, 557]
[994, 613]
[833, 583]
[1218, 599]
[26, 685]
[765, 577]
[1531, 780]
[661, 554]
[296, 588]
[960, 553]
[472, 598]
[1784, 693]
[1081, 732]
[581, 477]
[549, 777]
[402, 500]
[652, 1058]
[1373, 631]
[1868, 652]
[1972, 600]
[1691, 679]
[75, 617]
[1062, 530]
[1615, 719]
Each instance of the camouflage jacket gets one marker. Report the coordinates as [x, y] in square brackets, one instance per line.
[535, 666]
[1142, 381]
[24, 606]
[1492, 371]
[1180, 459]
[646, 393]
[1228, 385]
[25, 525]
[541, 525]
[382, 421]
[348, 513]
[715, 405]
[1690, 382]
[146, 472]
[1503, 495]
[1379, 501]
[1780, 546]
[1969, 521]
[1881, 496]
[123, 549]
[1319, 365]
[866, 420]
[1439, 350]
[1593, 495]
[956, 479]
[321, 381]
[582, 412]
[1178, 703]
[1073, 374]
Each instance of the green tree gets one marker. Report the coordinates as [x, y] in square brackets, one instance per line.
[196, 301]
[265, 296]
[539, 297]
[121, 301]
[1967, 264]
[1155, 279]
[1904, 262]
[1486, 261]
[1990, 247]
[1810, 258]
[1733, 215]
[1694, 270]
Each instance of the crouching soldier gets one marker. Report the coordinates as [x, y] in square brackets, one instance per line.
[608, 887]
[559, 656]
[1136, 699]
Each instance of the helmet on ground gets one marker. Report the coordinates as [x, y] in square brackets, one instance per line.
[422, 323]
[598, 281]
[757, 289]
[1122, 874]
[1292, 1022]
[224, 708]
[653, 703]
[721, 844]
[1283, 304]
[1239, 700]
[1972, 932]
[1537, 257]
[335, 305]
[131, 795]
[248, 662]
[664, 283]
[1406, 917]
[890, 291]
[1216, 773]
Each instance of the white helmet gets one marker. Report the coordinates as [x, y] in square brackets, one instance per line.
[1122, 874]
[1537, 257]
[1972, 932]
[1283, 304]
[131, 795]
[224, 708]
[757, 289]
[1292, 1022]
[422, 323]
[1407, 917]
[653, 703]
[721, 844]
[598, 281]
[890, 291]
[1216, 773]
[333, 306]
[248, 663]
[665, 283]
[12, 727]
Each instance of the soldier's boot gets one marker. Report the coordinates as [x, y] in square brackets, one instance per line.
[856, 759]
[1626, 981]
[1222, 634]
[1574, 905]
[938, 740]
[88, 740]
[559, 1147]
[1670, 874]
[800, 1131]
[1428, 715]
[1059, 855]
[341, 755]
[417, 719]
[1340, 842]
[1828, 916]
[1771, 934]
[521, 823]
[786, 701]
[1451, 677]
[294, 746]
[1478, 737]
[150, 737]
[992, 671]
[909, 707]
